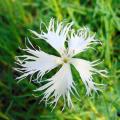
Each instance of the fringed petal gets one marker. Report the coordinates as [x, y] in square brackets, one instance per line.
[37, 62]
[86, 70]
[80, 41]
[55, 36]
[61, 84]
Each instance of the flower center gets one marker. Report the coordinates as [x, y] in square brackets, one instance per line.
[65, 60]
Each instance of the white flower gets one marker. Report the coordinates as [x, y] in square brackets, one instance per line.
[38, 63]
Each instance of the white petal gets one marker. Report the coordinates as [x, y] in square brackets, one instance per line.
[36, 62]
[55, 37]
[61, 84]
[81, 41]
[86, 70]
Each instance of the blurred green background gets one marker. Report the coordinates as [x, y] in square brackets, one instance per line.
[17, 16]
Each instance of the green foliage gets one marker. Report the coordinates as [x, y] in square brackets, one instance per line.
[17, 16]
